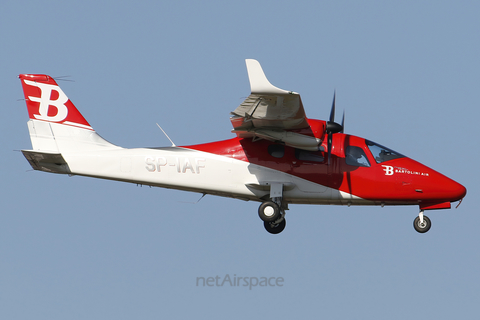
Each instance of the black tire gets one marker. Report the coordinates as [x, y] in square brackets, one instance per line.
[275, 228]
[269, 211]
[422, 228]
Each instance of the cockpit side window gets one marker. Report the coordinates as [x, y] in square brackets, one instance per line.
[381, 153]
[355, 156]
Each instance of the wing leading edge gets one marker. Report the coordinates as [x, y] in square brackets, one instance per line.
[274, 114]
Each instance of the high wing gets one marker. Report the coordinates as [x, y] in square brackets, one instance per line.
[274, 114]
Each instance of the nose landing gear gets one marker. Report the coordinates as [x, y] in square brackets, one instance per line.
[422, 223]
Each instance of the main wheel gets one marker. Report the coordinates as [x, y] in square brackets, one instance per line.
[275, 228]
[422, 227]
[269, 211]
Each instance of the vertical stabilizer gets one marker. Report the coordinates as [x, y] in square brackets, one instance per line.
[55, 124]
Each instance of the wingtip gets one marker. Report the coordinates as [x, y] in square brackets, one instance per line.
[258, 80]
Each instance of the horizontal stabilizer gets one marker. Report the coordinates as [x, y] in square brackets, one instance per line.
[49, 162]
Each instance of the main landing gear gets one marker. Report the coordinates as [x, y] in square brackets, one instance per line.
[422, 223]
[273, 216]
[272, 212]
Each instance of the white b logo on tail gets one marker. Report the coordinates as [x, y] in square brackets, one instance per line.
[45, 102]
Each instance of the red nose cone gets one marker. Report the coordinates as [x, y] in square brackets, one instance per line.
[444, 188]
[431, 186]
[456, 191]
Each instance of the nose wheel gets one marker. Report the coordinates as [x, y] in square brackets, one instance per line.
[422, 223]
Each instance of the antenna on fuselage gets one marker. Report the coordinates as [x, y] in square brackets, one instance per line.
[166, 135]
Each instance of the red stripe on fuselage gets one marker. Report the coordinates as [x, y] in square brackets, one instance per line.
[395, 181]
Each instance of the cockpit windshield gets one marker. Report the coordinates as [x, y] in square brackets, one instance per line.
[381, 153]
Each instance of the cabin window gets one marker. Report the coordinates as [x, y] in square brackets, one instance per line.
[310, 156]
[355, 156]
[381, 153]
[276, 150]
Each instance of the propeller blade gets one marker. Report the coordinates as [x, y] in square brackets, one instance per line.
[332, 112]
[333, 127]
[343, 122]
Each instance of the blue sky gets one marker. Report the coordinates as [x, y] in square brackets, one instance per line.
[407, 74]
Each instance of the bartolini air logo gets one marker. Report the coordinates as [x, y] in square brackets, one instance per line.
[46, 102]
[389, 171]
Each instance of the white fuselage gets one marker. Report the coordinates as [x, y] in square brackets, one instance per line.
[197, 171]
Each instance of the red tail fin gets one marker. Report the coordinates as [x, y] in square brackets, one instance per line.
[47, 102]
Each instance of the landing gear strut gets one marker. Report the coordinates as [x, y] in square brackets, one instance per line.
[422, 223]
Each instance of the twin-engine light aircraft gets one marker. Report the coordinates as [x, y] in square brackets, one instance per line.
[278, 157]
